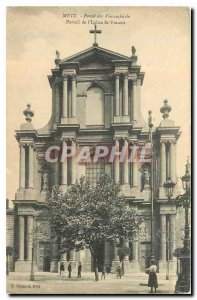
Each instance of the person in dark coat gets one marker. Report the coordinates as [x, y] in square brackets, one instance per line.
[103, 273]
[69, 270]
[79, 270]
[61, 269]
[119, 272]
[152, 279]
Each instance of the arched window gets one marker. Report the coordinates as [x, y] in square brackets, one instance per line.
[95, 106]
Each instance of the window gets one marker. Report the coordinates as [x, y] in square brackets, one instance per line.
[95, 106]
[94, 171]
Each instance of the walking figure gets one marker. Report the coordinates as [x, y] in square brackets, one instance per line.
[108, 269]
[152, 279]
[103, 273]
[69, 270]
[79, 270]
[119, 272]
[61, 269]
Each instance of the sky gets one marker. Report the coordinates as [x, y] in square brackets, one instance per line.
[161, 37]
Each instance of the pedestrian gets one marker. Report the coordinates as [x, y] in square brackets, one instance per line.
[152, 279]
[103, 273]
[61, 269]
[108, 269]
[69, 270]
[79, 270]
[119, 272]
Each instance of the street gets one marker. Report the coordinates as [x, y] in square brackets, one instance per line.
[52, 283]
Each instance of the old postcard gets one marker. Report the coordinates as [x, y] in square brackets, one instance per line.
[98, 150]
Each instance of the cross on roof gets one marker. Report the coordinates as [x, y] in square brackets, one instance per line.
[95, 31]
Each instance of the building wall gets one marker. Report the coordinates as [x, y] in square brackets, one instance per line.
[119, 127]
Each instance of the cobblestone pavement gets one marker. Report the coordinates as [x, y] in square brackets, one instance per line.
[52, 283]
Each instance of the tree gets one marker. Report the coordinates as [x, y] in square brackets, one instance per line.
[38, 234]
[86, 216]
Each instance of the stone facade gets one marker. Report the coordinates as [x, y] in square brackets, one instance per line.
[95, 101]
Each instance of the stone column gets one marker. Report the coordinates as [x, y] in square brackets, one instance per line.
[22, 167]
[31, 167]
[55, 250]
[56, 170]
[72, 255]
[21, 237]
[163, 237]
[57, 100]
[115, 254]
[126, 244]
[125, 98]
[171, 236]
[64, 256]
[172, 163]
[135, 170]
[135, 251]
[65, 96]
[116, 164]
[64, 168]
[54, 262]
[162, 163]
[74, 96]
[134, 108]
[73, 163]
[72, 259]
[30, 224]
[126, 169]
[117, 95]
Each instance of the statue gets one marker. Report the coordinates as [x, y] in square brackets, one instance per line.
[58, 54]
[58, 59]
[45, 178]
[133, 50]
[133, 56]
[146, 179]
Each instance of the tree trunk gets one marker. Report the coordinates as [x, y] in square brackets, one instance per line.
[122, 262]
[96, 269]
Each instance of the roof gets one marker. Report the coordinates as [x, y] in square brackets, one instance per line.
[92, 51]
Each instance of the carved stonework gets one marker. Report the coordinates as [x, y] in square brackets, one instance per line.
[165, 109]
[45, 178]
[58, 59]
[28, 113]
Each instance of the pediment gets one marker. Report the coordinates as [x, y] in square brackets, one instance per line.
[95, 57]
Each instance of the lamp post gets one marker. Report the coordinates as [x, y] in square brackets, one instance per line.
[183, 282]
[169, 188]
[169, 191]
[150, 124]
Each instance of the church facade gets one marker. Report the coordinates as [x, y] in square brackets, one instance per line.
[96, 101]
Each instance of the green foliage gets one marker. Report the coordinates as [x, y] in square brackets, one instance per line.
[86, 216]
[123, 251]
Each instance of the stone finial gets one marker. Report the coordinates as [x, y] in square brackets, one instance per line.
[133, 56]
[165, 109]
[28, 113]
[58, 59]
